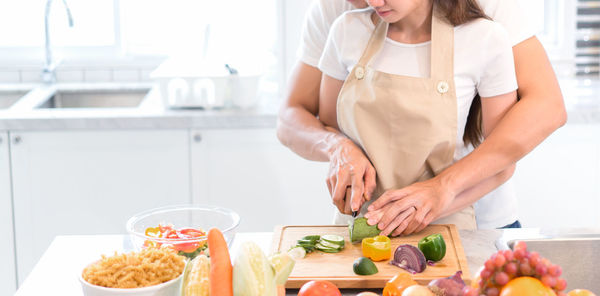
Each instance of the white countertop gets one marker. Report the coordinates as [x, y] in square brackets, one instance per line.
[57, 271]
[150, 114]
[582, 101]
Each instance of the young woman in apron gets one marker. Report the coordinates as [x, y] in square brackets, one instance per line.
[407, 125]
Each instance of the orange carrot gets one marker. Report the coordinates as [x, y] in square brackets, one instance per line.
[221, 271]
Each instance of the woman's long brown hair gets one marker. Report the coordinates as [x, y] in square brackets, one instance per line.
[458, 12]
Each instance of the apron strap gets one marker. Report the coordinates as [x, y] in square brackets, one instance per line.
[375, 42]
[442, 48]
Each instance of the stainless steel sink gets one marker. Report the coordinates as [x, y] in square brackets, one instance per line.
[10, 96]
[575, 251]
[95, 98]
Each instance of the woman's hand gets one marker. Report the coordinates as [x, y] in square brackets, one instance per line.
[349, 167]
[392, 211]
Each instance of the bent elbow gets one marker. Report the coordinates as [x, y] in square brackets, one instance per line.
[562, 117]
[281, 133]
[507, 173]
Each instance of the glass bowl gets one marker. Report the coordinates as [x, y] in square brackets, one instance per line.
[143, 227]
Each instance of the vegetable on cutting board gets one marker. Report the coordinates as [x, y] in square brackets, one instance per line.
[220, 264]
[410, 258]
[377, 248]
[360, 229]
[398, 284]
[364, 266]
[433, 247]
[328, 243]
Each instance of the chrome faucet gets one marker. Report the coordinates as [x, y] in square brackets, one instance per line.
[48, 73]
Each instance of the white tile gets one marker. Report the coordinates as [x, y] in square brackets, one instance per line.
[9, 77]
[31, 76]
[126, 75]
[98, 75]
[69, 75]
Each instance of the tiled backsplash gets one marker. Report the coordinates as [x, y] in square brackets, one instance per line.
[78, 74]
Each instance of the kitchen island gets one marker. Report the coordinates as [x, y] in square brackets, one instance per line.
[57, 271]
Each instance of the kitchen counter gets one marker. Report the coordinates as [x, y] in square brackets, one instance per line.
[150, 114]
[57, 271]
[582, 100]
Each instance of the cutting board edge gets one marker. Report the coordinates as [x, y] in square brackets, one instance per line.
[462, 261]
[351, 282]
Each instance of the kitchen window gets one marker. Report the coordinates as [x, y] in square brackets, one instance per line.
[140, 33]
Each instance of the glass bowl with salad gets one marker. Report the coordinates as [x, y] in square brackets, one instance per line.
[181, 227]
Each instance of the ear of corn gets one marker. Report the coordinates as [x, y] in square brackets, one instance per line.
[196, 281]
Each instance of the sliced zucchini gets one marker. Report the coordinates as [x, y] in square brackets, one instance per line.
[334, 239]
[327, 244]
[325, 249]
[297, 252]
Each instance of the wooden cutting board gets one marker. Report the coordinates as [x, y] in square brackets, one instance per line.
[337, 267]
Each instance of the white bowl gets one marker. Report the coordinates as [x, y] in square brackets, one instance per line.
[170, 288]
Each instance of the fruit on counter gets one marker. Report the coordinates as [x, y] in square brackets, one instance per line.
[220, 264]
[319, 288]
[360, 229]
[196, 277]
[506, 265]
[368, 294]
[253, 274]
[283, 264]
[377, 248]
[580, 292]
[449, 286]
[410, 258]
[526, 285]
[195, 245]
[398, 284]
[364, 266]
[433, 247]
[417, 290]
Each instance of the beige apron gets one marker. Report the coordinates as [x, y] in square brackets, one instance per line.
[406, 125]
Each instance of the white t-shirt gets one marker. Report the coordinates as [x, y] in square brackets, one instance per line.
[322, 13]
[499, 207]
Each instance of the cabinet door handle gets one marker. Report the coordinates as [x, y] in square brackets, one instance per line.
[17, 139]
[197, 138]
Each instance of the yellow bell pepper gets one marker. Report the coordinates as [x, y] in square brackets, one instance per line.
[377, 248]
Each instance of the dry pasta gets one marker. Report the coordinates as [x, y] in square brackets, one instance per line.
[148, 267]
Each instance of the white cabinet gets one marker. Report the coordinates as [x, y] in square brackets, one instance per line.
[558, 184]
[8, 283]
[251, 172]
[91, 182]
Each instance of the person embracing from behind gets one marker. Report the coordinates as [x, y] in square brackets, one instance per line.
[412, 70]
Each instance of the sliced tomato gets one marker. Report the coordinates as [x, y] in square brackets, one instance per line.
[192, 232]
[319, 288]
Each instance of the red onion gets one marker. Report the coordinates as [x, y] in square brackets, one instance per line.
[450, 286]
[410, 258]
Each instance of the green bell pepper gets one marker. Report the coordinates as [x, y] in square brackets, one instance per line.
[433, 247]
